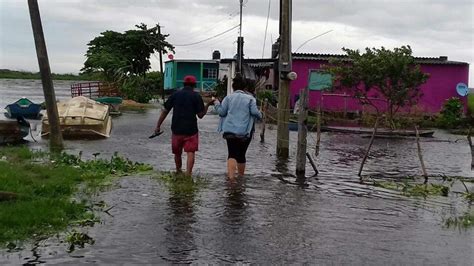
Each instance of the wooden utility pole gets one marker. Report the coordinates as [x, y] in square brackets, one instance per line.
[161, 66]
[318, 131]
[302, 134]
[469, 139]
[370, 147]
[55, 137]
[283, 133]
[420, 155]
[264, 119]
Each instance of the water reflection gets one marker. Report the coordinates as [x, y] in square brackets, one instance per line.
[235, 201]
[35, 256]
[179, 231]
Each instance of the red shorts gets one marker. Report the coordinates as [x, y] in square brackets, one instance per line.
[188, 143]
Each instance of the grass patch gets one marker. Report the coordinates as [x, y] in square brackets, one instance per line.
[44, 184]
[469, 196]
[415, 190]
[182, 186]
[78, 239]
[464, 221]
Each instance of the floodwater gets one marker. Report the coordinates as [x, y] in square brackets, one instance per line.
[260, 219]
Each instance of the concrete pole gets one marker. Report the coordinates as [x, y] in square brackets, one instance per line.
[284, 67]
[302, 134]
[55, 136]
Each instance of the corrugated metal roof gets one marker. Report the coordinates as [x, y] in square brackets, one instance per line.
[443, 60]
[250, 60]
[192, 61]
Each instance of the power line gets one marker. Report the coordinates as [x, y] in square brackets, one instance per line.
[207, 39]
[266, 27]
[215, 41]
[313, 39]
[214, 26]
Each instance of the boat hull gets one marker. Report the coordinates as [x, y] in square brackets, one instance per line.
[81, 118]
[81, 131]
[23, 108]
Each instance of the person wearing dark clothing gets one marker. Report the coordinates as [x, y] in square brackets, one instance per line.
[187, 105]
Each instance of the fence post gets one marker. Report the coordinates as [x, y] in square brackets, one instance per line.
[302, 134]
[264, 118]
[368, 149]
[420, 155]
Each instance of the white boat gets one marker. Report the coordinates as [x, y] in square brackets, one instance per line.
[81, 117]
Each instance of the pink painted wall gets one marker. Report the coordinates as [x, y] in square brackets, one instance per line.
[440, 86]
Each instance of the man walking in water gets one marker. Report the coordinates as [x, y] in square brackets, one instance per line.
[186, 105]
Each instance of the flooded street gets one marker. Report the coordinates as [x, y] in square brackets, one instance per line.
[260, 219]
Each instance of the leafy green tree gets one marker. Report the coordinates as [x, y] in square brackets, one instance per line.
[120, 55]
[393, 75]
[142, 89]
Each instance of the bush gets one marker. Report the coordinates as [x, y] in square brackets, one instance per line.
[142, 89]
[221, 88]
[269, 95]
[451, 116]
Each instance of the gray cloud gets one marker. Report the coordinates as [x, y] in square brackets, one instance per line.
[431, 27]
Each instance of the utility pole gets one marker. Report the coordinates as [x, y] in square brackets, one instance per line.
[55, 136]
[284, 68]
[161, 66]
[240, 43]
[302, 134]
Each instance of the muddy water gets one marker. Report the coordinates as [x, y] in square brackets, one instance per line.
[260, 219]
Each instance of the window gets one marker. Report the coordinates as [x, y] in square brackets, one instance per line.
[319, 81]
[209, 73]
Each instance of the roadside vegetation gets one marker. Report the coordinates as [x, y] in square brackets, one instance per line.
[42, 193]
[443, 189]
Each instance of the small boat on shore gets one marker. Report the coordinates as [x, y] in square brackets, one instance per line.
[12, 131]
[81, 117]
[113, 102]
[24, 108]
[380, 132]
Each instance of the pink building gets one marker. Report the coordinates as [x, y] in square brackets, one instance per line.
[441, 85]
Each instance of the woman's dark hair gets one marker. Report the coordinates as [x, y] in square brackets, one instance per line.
[241, 83]
[238, 83]
[250, 85]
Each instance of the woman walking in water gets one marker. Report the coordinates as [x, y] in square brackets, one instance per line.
[238, 112]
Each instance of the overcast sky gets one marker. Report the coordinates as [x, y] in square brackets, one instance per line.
[432, 28]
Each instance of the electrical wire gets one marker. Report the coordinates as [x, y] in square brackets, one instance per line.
[266, 27]
[207, 39]
[217, 40]
[313, 39]
[230, 17]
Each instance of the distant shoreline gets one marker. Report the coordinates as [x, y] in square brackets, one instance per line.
[14, 74]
